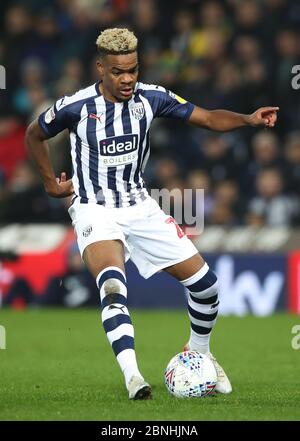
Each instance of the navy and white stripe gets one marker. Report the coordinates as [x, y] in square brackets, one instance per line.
[115, 316]
[110, 141]
[202, 300]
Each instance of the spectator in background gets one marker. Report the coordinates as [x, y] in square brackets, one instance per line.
[72, 77]
[183, 26]
[32, 78]
[292, 157]
[216, 157]
[24, 199]
[222, 215]
[17, 38]
[265, 150]
[213, 28]
[200, 179]
[248, 18]
[165, 169]
[12, 146]
[228, 84]
[47, 38]
[254, 86]
[38, 100]
[246, 50]
[145, 21]
[227, 195]
[288, 53]
[271, 206]
[275, 14]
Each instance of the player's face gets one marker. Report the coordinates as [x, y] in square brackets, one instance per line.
[119, 75]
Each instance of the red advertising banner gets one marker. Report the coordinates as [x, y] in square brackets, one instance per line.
[259, 284]
[37, 268]
[293, 282]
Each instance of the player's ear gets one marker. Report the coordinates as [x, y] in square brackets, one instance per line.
[99, 64]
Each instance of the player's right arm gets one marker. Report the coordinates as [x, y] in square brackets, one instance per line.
[51, 122]
[38, 150]
[167, 104]
[224, 120]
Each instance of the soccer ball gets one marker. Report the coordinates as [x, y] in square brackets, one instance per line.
[190, 374]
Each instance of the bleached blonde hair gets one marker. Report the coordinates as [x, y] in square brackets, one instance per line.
[116, 41]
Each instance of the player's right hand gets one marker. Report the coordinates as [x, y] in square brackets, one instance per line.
[61, 188]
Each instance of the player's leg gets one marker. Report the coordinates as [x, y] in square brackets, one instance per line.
[202, 286]
[202, 292]
[159, 244]
[105, 261]
[165, 246]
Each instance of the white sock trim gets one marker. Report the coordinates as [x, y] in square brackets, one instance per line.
[197, 276]
[108, 268]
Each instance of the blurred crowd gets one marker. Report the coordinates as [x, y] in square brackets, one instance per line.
[75, 288]
[232, 54]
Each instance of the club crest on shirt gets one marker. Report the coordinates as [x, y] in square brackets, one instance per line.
[87, 231]
[137, 110]
[49, 115]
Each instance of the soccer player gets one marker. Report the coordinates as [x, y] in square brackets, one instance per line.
[113, 215]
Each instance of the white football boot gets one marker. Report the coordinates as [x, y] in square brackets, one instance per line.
[223, 385]
[138, 389]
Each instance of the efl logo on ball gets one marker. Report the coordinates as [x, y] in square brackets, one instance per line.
[190, 374]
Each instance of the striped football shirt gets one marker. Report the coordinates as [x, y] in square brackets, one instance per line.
[110, 141]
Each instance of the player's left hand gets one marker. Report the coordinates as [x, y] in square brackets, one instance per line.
[61, 187]
[264, 116]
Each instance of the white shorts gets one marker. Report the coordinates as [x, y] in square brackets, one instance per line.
[151, 238]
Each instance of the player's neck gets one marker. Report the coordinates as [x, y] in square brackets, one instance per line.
[106, 94]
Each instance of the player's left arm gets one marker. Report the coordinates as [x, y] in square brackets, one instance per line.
[224, 120]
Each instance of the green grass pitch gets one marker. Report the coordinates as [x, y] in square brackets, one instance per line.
[58, 365]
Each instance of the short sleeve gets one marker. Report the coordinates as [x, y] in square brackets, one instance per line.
[165, 103]
[54, 120]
